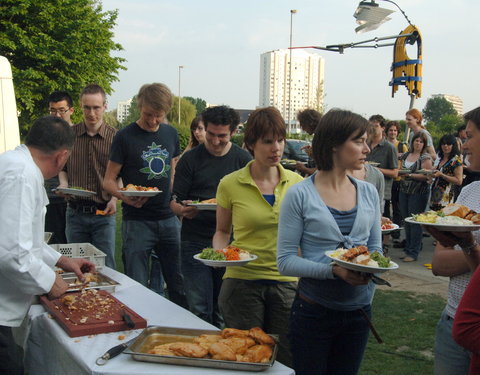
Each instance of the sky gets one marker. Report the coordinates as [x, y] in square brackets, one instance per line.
[219, 43]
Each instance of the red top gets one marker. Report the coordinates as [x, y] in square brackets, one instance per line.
[466, 326]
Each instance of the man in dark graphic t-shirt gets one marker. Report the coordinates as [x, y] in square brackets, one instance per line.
[196, 178]
[144, 154]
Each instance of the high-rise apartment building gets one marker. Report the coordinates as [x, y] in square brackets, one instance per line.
[307, 88]
[123, 110]
[455, 100]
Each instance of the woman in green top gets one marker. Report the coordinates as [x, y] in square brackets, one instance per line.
[256, 295]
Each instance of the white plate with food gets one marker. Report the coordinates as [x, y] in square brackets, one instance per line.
[79, 192]
[373, 163]
[425, 171]
[367, 268]
[448, 224]
[204, 206]
[227, 257]
[134, 193]
[224, 263]
[387, 228]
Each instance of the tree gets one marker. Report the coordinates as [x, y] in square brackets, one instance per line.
[446, 125]
[199, 103]
[56, 45]
[436, 108]
[188, 112]
[110, 118]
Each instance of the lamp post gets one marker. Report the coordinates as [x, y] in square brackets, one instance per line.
[180, 67]
[292, 12]
[406, 71]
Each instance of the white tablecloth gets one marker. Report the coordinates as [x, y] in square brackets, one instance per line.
[50, 351]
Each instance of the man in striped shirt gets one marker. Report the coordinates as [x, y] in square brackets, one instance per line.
[91, 218]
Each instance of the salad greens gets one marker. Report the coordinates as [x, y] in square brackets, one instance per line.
[211, 254]
[382, 261]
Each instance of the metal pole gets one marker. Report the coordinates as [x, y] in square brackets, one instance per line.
[180, 67]
[292, 12]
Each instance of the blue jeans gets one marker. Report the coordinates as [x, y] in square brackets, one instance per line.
[450, 358]
[325, 341]
[413, 204]
[95, 229]
[163, 236]
[202, 283]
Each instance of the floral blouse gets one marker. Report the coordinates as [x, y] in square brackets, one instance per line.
[443, 192]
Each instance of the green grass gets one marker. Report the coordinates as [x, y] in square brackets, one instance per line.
[406, 322]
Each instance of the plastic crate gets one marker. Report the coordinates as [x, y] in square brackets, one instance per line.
[82, 250]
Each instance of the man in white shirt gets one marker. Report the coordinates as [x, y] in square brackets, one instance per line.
[26, 267]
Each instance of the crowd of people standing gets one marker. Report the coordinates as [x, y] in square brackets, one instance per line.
[358, 172]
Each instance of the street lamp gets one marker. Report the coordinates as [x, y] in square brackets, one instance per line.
[370, 16]
[180, 67]
[292, 12]
[406, 71]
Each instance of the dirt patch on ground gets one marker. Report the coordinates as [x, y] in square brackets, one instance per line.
[409, 284]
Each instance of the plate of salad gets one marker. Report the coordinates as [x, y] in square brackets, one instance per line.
[227, 257]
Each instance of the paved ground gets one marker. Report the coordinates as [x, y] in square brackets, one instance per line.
[414, 276]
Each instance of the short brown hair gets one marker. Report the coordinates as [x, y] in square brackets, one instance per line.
[473, 116]
[392, 124]
[423, 137]
[263, 122]
[416, 114]
[378, 118]
[93, 89]
[155, 95]
[334, 129]
[308, 119]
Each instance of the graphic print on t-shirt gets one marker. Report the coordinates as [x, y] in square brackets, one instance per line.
[156, 158]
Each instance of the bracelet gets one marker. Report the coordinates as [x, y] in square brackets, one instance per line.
[467, 248]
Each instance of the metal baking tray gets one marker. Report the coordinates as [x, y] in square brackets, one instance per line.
[155, 335]
[104, 283]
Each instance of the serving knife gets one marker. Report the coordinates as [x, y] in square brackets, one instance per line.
[113, 352]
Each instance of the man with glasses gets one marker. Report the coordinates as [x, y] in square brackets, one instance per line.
[60, 104]
[91, 218]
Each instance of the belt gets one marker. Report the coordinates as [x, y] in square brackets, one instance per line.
[306, 299]
[86, 208]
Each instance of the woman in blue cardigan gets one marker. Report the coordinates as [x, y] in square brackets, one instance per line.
[329, 322]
